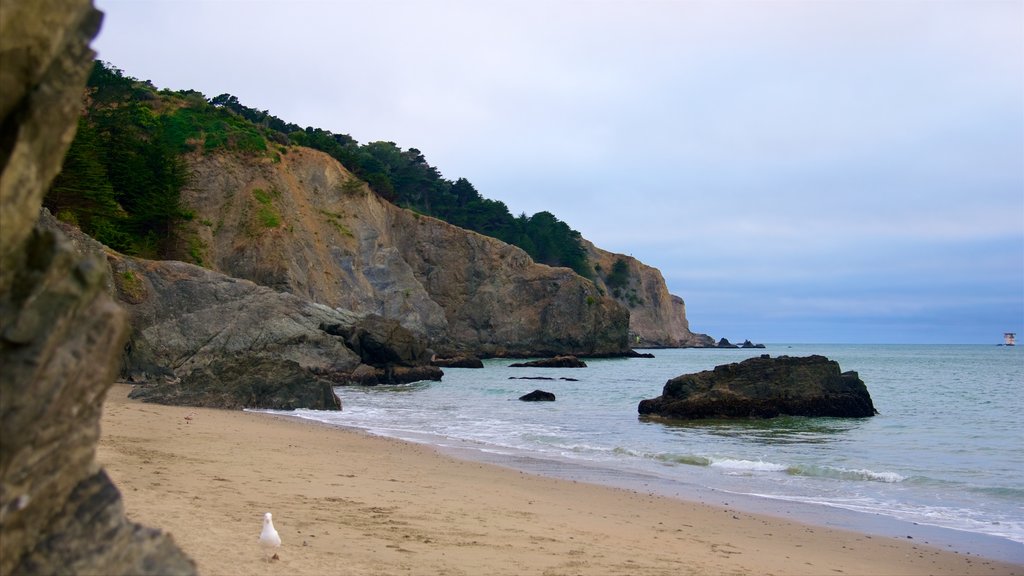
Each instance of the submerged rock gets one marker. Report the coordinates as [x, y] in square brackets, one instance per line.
[556, 362]
[538, 396]
[764, 387]
[458, 362]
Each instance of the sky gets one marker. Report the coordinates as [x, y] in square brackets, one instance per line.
[815, 171]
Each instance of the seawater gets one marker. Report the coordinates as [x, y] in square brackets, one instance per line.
[946, 449]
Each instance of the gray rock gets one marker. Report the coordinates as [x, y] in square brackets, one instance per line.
[372, 376]
[244, 382]
[763, 388]
[381, 342]
[60, 332]
[186, 318]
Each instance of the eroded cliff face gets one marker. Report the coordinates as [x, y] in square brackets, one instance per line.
[306, 226]
[657, 319]
[61, 334]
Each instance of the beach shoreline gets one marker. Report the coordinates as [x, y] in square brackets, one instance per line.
[348, 502]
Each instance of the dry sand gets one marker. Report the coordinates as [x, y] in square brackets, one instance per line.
[348, 503]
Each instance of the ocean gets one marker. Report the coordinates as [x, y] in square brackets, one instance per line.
[943, 461]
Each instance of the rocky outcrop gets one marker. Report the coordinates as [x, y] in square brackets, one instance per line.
[340, 245]
[60, 332]
[372, 376]
[197, 334]
[764, 387]
[538, 396]
[657, 319]
[186, 318]
[244, 382]
[556, 362]
[381, 342]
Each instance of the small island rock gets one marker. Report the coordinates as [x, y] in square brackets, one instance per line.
[538, 396]
[764, 387]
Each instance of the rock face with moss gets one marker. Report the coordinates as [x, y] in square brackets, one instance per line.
[304, 225]
[764, 387]
[657, 319]
[60, 332]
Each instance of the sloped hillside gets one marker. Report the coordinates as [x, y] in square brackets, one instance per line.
[303, 224]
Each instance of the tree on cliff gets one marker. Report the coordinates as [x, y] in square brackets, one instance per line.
[122, 178]
[122, 181]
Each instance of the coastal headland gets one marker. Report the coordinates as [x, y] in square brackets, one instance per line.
[346, 502]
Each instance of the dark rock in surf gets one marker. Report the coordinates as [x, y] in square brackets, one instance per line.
[538, 396]
[556, 362]
[764, 387]
[372, 375]
[457, 362]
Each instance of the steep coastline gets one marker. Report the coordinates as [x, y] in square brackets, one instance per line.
[657, 319]
[305, 225]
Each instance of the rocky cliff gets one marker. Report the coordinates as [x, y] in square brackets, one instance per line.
[60, 333]
[303, 224]
[657, 319]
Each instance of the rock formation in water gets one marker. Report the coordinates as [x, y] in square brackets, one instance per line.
[764, 387]
[60, 332]
[338, 244]
[657, 319]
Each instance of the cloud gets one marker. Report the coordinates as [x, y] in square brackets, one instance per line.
[811, 152]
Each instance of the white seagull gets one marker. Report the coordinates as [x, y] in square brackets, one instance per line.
[269, 538]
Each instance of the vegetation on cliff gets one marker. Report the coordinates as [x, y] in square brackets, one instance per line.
[123, 175]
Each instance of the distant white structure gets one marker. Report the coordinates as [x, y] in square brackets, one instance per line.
[269, 538]
[1010, 339]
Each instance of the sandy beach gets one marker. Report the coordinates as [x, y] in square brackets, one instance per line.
[348, 503]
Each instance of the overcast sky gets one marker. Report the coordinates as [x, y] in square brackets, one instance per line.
[807, 171]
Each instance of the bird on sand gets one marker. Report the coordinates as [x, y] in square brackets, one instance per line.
[269, 538]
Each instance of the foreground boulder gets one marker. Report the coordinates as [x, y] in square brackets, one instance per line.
[764, 387]
[60, 332]
[197, 334]
[556, 362]
[187, 319]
